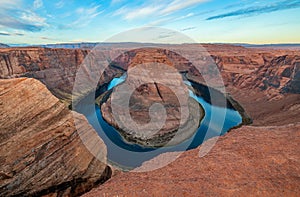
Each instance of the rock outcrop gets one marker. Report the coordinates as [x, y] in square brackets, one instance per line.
[271, 71]
[56, 68]
[153, 84]
[40, 148]
[259, 161]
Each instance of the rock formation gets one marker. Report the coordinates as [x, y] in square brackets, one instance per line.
[40, 148]
[273, 70]
[258, 161]
[153, 84]
[41, 152]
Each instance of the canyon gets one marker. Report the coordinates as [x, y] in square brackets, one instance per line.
[41, 152]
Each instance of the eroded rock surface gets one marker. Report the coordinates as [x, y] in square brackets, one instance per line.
[259, 161]
[271, 70]
[129, 107]
[40, 148]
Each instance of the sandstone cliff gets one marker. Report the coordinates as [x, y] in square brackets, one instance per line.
[41, 152]
[255, 161]
[40, 148]
[271, 71]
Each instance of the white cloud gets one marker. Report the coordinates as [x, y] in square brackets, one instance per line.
[156, 8]
[179, 5]
[142, 12]
[37, 4]
[14, 16]
[185, 16]
[170, 19]
[85, 16]
[33, 18]
[4, 4]
[160, 21]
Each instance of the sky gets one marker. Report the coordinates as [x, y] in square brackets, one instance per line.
[204, 21]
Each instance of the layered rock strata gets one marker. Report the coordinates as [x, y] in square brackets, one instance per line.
[41, 151]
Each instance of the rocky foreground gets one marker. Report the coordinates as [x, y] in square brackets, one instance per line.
[40, 148]
[41, 152]
[255, 161]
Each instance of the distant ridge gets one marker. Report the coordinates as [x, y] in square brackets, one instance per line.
[287, 45]
[69, 45]
[90, 45]
[3, 45]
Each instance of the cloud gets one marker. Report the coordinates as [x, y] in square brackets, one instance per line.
[4, 34]
[142, 12]
[15, 17]
[59, 4]
[188, 28]
[84, 17]
[168, 20]
[33, 18]
[37, 4]
[282, 5]
[184, 17]
[179, 5]
[10, 34]
[19, 34]
[163, 35]
[156, 8]
[5, 4]
[13, 23]
[47, 38]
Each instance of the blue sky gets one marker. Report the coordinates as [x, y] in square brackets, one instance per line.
[205, 21]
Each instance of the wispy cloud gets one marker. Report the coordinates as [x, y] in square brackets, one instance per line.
[47, 38]
[5, 4]
[184, 16]
[163, 35]
[37, 4]
[256, 10]
[19, 34]
[84, 16]
[10, 34]
[59, 4]
[179, 5]
[141, 12]
[155, 7]
[15, 17]
[4, 34]
[33, 18]
[168, 19]
[188, 28]
[13, 23]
